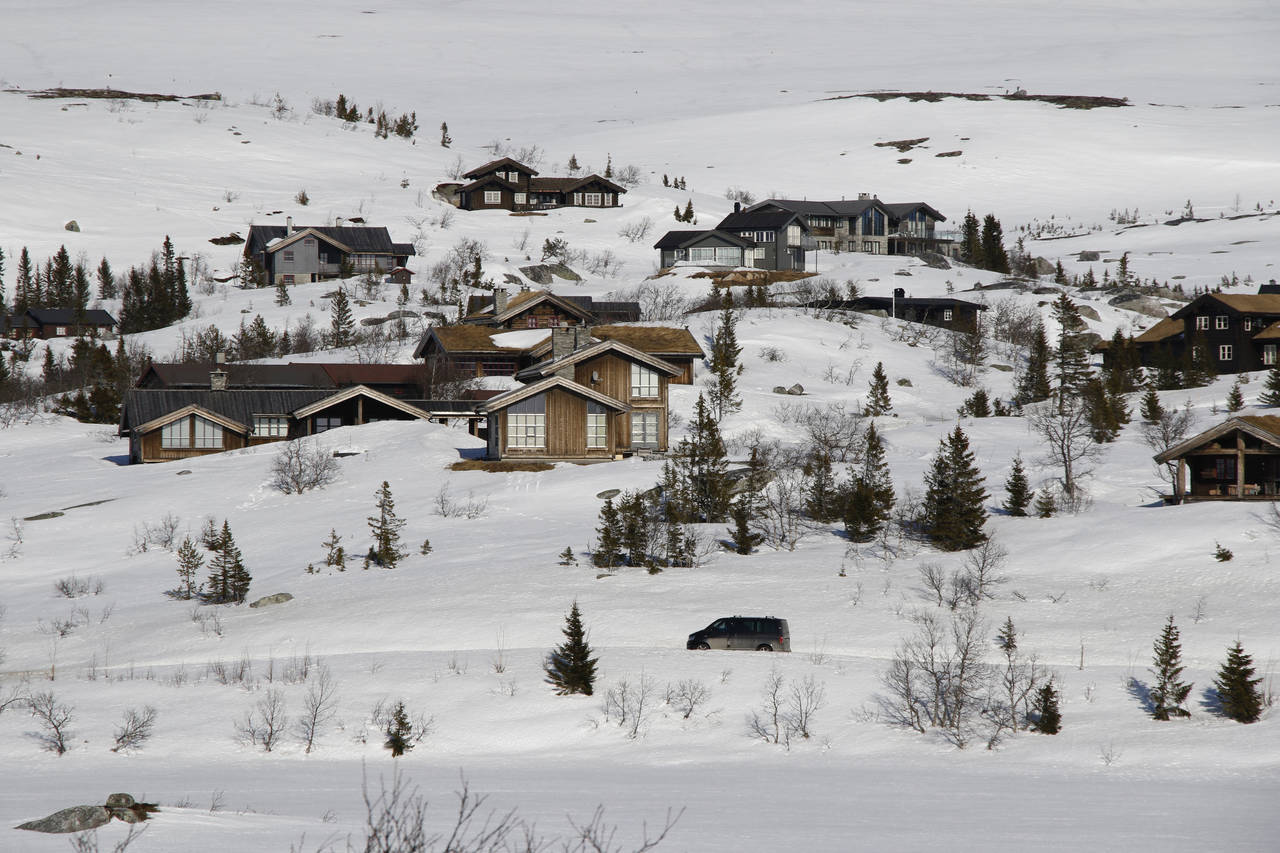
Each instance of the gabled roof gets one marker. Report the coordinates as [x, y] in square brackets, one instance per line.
[1163, 330]
[685, 239]
[900, 211]
[67, 317]
[243, 376]
[144, 406]
[362, 239]
[879, 302]
[514, 396]
[357, 391]
[568, 185]
[299, 233]
[1239, 303]
[1270, 333]
[1263, 427]
[504, 163]
[343, 374]
[753, 219]
[486, 181]
[854, 207]
[193, 409]
[657, 340]
[594, 351]
[464, 339]
[526, 300]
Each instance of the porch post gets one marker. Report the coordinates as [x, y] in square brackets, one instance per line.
[1179, 480]
[1239, 464]
[359, 411]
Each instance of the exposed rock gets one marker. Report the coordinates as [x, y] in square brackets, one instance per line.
[1089, 339]
[1141, 304]
[396, 315]
[779, 389]
[1088, 312]
[232, 239]
[512, 278]
[1003, 368]
[268, 600]
[373, 321]
[934, 260]
[902, 272]
[542, 273]
[905, 382]
[609, 493]
[1043, 267]
[796, 390]
[588, 220]
[1046, 290]
[184, 471]
[72, 226]
[74, 819]
[1089, 256]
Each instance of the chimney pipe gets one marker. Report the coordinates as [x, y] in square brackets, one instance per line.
[737, 207]
[288, 226]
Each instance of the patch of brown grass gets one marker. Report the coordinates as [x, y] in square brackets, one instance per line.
[500, 467]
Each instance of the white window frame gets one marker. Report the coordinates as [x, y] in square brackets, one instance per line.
[207, 435]
[1226, 352]
[493, 196]
[644, 429]
[1268, 353]
[521, 198]
[1222, 321]
[60, 331]
[946, 314]
[597, 430]
[271, 426]
[644, 383]
[577, 199]
[591, 199]
[176, 435]
[1202, 323]
[1247, 322]
[526, 431]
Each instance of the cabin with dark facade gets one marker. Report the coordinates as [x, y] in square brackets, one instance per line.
[869, 225]
[507, 184]
[45, 323]
[304, 254]
[707, 248]
[781, 237]
[1235, 332]
[944, 312]
[541, 309]
[590, 400]
[1238, 459]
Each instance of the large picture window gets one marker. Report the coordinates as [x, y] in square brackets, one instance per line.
[207, 435]
[176, 434]
[644, 429]
[597, 427]
[270, 426]
[194, 431]
[323, 424]
[526, 431]
[644, 382]
[593, 199]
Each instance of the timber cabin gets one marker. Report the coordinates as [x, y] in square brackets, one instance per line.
[1236, 332]
[317, 252]
[1238, 459]
[542, 309]
[508, 184]
[943, 312]
[590, 401]
[869, 225]
[45, 323]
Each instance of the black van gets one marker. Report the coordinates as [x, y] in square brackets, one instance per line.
[761, 633]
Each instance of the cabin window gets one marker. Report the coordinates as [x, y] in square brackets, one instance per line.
[324, 423]
[270, 426]
[597, 426]
[644, 382]
[521, 198]
[873, 223]
[608, 199]
[288, 255]
[577, 198]
[176, 434]
[592, 199]
[1248, 324]
[493, 196]
[946, 314]
[288, 278]
[207, 434]
[310, 241]
[1222, 321]
[60, 330]
[526, 431]
[1202, 324]
[1225, 352]
[531, 322]
[871, 247]
[1224, 468]
[1269, 354]
[764, 237]
[644, 429]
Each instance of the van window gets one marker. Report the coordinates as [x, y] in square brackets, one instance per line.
[720, 625]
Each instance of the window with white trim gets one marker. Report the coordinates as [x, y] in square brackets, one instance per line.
[270, 426]
[1222, 321]
[522, 198]
[577, 199]
[60, 331]
[592, 199]
[207, 434]
[946, 314]
[1247, 322]
[1225, 352]
[597, 427]
[644, 429]
[1202, 324]
[644, 382]
[176, 434]
[1269, 354]
[493, 196]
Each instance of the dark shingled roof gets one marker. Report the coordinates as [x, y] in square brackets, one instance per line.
[374, 240]
[822, 208]
[247, 376]
[567, 185]
[67, 317]
[885, 302]
[748, 220]
[503, 162]
[681, 239]
[899, 211]
[145, 405]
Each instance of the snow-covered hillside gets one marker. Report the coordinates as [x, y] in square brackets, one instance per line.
[726, 101]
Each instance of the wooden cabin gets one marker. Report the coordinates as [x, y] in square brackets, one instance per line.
[542, 309]
[507, 184]
[1238, 459]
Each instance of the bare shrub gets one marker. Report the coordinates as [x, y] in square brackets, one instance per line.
[634, 232]
[265, 723]
[159, 534]
[75, 587]
[687, 696]
[318, 708]
[628, 176]
[1063, 424]
[656, 302]
[629, 705]
[832, 429]
[302, 465]
[135, 729]
[781, 520]
[448, 506]
[87, 842]
[787, 711]
[54, 720]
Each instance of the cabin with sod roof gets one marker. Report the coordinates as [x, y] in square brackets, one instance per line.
[1232, 332]
[1239, 459]
[542, 309]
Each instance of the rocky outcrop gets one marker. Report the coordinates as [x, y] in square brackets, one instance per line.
[80, 818]
[268, 600]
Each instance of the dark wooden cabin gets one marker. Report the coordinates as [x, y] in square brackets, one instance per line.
[1238, 459]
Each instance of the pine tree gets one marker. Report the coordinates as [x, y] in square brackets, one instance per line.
[971, 241]
[723, 393]
[955, 502]
[608, 537]
[679, 216]
[445, 139]
[1104, 419]
[666, 182]
[385, 528]
[1168, 694]
[570, 667]
[869, 497]
[1237, 688]
[1071, 359]
[1235, 398]
[744, 540]
[106, 281]
[190, 561]
[1048, 719]
[1033, 385]
[1045, 506]
[335, 556]
[634, 518]
[24, 285]
[608, 166]
[1017, 489]
[282, 293]
[978, 405]
[821, 499]
[878, 402]
[341, 324]
[573, 167]
[1270, 397]
[228, 578]
[1152, 412]
[399, 731]
[703, 465]
[994, 257]
[567, 557]
[687, 216]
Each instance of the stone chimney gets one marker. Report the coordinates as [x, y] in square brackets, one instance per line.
[564, 340]
[499, 300]
[217, 379]
[288, 226]
[864, 196]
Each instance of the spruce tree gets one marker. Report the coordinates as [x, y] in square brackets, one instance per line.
[878, 402]
[385, 528]
[567, 557]
[725, 367]
[445, 139]
[1168, 694]
[821, 498]
[190, 561]
[954, 509]
[1104, 419]
[573, 164]
[399, 731]
[1033, 385]
[1152, 412]
[1048, 719]
[282, 294]
[228, 578]
[1071, 359]
[106, 281]
[702, 463]
[1045, 506]
[744, 540]
[335, 556]
[869, 497]
[994, 257]
[1017, 489]
[1237, 689]
[570, 667]
[341, 324]
[687, 216]
[971, 241]
[608, 537]
[633, 514]
[1270, 397]
[1235, 398]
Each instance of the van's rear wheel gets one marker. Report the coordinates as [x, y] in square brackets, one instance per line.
[702, 647]
[764, 647]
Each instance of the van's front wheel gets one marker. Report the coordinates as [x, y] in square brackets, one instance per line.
[764, 647]
[702, 647]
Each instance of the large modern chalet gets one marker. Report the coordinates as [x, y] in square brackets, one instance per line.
[309, 253]
[508, 184]
[1234, 332]
[763, 239]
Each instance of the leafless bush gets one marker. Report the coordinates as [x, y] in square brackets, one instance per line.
[210, 621]
[740, 195]
[158, 534]
[1172, 428]
[87, 842]
[75, 587]
[265, 723]
[628, 176]
[450, 507]
[687, 696]
[238, 672]
[772, 354]
[604, 264]
[656, 302]
[787, 711]
[1109, 753]
[15, 696]
[634, 232]
[831, 429]
[302, 465]
[629, 705]
[781, 520]
[14, 537]
[135, 729]
[65, 627]
[54, 720]
[1063, 424]
[318, 708]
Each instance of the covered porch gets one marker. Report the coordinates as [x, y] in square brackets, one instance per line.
[1238, 460]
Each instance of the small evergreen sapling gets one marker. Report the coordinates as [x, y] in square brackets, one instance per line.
[1047, 717]
[399, 731]
[1221, 554]
[1018, 490]
[570, 667]
[1270, 397]
[335, 556]
[878, 402]
[385, 528]
[190, 560]
[1237, 688]
[1045, 506]
[1169, 694]
[567, 557]
[425, 548]
[1152, 412]
[1235, 398]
